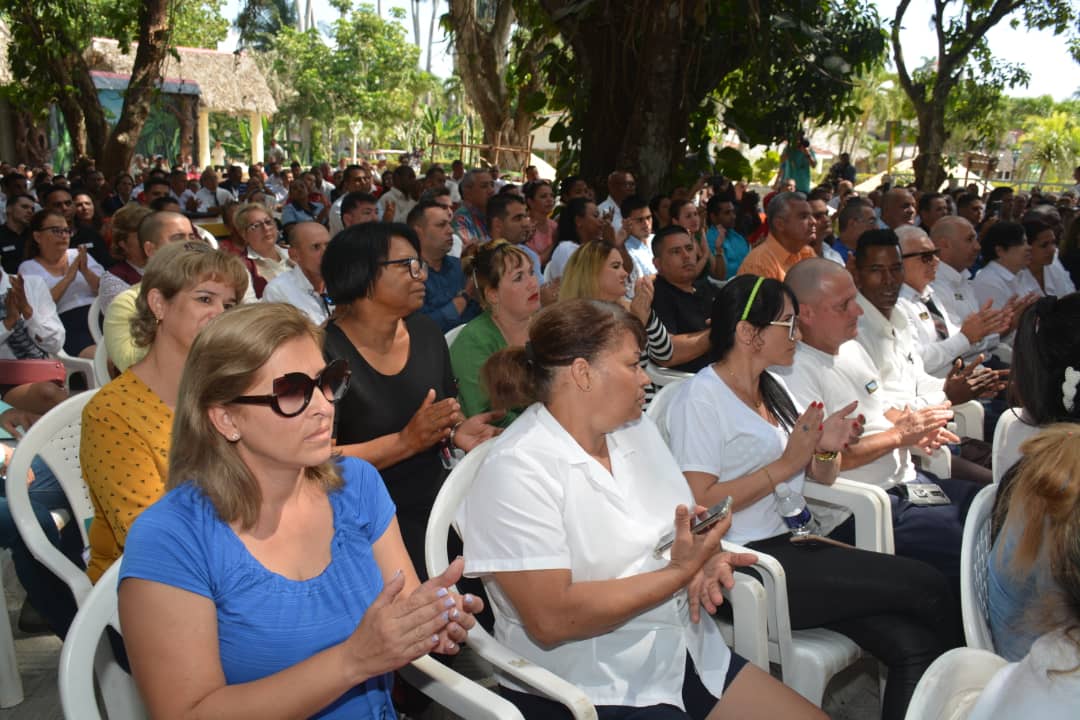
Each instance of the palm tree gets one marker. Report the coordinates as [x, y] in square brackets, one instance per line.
[1055, 143]
[259, 22]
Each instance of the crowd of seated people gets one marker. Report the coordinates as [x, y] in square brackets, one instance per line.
[829, 335]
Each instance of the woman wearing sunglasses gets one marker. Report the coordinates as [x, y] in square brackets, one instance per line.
[401, 412]
[71, 273]
[735, 430]
[126, 427]
[271, 581]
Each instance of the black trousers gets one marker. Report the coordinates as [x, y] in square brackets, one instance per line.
[898, 609]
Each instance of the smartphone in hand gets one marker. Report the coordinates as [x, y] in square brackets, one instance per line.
[698, 525]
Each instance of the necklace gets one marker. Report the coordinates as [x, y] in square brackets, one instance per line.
[744, 395]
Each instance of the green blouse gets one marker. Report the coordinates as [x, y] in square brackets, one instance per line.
[477, 341]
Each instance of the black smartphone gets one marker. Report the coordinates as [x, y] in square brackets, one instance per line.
[698, 525]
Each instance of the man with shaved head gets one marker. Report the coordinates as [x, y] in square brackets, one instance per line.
[897, 208]
[621, 185]
[830, 367]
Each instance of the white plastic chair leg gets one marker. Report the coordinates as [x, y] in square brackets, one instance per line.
[11, 689]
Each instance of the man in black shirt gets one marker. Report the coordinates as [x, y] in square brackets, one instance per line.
[14, 232]
[683, 305]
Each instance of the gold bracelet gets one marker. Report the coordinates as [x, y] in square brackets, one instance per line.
[825, 457]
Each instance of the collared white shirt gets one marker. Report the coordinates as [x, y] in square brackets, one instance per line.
[955, 296]
[829, 253]
[996, 282]
[563, 510]
[403, 204]
[836, 380]
[295, 289]
[1056, 278]
[78, 293]
[641, 255]
[891, 345]
[44, 324]
[616, 218]
[937, 354]
[269, 269]
[207, 198]
[334, 221]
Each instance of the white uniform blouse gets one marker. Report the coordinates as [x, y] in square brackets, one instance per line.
[540, 502]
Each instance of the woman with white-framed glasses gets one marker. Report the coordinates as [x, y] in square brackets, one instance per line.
[264, 258]
[736, 430]
[271, 580]
[401, 412]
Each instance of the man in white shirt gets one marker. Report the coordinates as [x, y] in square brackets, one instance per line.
[939, 340]
[402, 197]
[302, 285]
[954, 293]
[210, 198]
[832, 368]
[897, 208]
[621, 185]
[354, 179]
[637, 228]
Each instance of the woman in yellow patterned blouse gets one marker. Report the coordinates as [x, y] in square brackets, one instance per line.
[127, 426]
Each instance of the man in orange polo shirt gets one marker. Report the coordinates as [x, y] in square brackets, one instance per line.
[791, 229]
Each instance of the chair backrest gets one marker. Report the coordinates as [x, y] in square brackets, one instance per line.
[452, 334]
[662, 376]
[55, 437]
[453, 492]
[87, 654]
[1009, 434]
[951, 685]
[658, 408]
[974, 558]
[95, 318]
[101, 365]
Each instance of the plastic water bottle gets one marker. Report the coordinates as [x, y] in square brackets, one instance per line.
[792, 507]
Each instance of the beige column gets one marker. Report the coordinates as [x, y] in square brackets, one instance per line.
[255, 121]
[204, 138]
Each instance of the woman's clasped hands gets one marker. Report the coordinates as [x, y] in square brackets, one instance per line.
[698, 557]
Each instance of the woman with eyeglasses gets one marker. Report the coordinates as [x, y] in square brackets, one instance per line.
[510, 296]
[1004, 275]
[735, 430]
[271, 580]
[126, 427]
[262, 256]
[401, 412]
[72, 275]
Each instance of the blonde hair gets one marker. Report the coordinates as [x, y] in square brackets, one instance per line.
[240, 219]
[581, 277]
[490, 263]
[125, 226]
[222, 365]
[178, 266]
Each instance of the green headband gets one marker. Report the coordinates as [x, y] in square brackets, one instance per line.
[750, 300]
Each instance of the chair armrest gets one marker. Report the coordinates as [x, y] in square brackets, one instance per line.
[544, 682]
[969, 419]
[774, 581]
[938, 462]
[750, 620]
[456, 692]
[870, 505]
[74, 365]
[1003, 352]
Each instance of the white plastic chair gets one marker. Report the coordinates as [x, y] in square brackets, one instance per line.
[55, 437]
[1009, 434]
[101, 365]
[452, 333]
[662, 376]
[95, 317]
[87, 655]
[657, 410]
[76, 365]
[969, 417]
[951, 685]
[974, 572]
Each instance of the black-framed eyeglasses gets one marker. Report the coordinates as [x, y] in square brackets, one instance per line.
[792, 324]
[59, 231]
[927, 256]
[293, 391]
[417, 266]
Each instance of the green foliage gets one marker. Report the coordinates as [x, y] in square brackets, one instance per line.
[198, 23]
[1053, 143]
[366, 70]
[260, 21]
[731, 163]
[765, 167]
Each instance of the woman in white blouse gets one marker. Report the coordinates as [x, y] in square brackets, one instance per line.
[1005, 275]
[562, 522]
[1050, 274]
[735, 430]
[71, 274]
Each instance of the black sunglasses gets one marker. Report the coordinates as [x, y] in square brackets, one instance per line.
[293, 391]
[927, 256]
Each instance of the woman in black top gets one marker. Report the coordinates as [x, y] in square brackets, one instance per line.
[400, 413]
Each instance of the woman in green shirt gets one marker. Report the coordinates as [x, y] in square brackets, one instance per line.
[510, 295]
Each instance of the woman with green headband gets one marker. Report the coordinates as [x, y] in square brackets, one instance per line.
[735, 430]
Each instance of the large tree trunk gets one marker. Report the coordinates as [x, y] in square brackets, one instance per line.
[119, 148]
[431, 32]
[482, 54]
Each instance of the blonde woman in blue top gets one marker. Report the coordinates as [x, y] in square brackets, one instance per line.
[270, 581]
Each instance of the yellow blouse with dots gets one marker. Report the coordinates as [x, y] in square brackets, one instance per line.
[124, 453]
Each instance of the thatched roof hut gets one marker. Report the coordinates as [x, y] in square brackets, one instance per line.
[229, 82]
